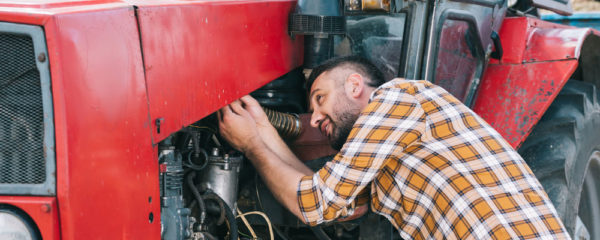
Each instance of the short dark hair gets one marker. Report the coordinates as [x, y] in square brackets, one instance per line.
[358, 63]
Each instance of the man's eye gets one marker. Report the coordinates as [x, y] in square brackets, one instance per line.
[318, 99]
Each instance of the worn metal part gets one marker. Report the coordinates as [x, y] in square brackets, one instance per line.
[516, 90]
[288, 125]
[190, 74]
[221, 176]
[175, 218]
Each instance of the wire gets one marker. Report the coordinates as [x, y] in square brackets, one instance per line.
[245, 235]
[204, 128]
[266, 219]
[246, 223]
[193, 165]
[233, 229]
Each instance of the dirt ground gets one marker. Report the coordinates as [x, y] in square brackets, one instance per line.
[586, 5]
[580, 6]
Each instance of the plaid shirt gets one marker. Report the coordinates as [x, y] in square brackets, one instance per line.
[434, 169]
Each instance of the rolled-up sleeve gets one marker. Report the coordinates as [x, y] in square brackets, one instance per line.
[391, 121]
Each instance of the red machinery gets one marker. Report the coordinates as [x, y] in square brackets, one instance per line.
[110, 88]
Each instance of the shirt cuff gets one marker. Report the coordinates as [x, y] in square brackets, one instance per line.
[309, 201]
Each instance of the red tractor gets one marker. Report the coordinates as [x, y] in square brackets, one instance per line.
[107, 131]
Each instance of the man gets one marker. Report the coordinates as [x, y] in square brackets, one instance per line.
[435, 169]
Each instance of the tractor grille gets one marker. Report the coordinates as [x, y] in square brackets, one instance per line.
[22, 159]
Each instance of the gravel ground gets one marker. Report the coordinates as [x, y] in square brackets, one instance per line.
[586, 5]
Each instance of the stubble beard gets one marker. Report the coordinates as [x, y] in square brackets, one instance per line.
[343, 126]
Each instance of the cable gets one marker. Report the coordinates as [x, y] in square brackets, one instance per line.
[212, 130]
[190, 181]
[246, 235]
[240, 215]
[233, 229]
[266, 219]
[193, 165]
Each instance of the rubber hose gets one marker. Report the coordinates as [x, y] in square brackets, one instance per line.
[233, 229]
[288, 125]
[201, 205]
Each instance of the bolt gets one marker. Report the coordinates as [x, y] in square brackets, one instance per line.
[46, 208]
[41, 57]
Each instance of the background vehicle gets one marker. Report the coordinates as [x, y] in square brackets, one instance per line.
[106, 129]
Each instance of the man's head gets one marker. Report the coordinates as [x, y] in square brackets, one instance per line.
[339, 90]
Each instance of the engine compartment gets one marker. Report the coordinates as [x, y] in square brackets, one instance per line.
[211, 191]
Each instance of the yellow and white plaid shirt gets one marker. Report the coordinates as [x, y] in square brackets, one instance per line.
[434, 169]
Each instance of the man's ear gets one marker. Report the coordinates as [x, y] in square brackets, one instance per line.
[354, 85]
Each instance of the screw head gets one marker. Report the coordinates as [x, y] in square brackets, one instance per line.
[41, 57]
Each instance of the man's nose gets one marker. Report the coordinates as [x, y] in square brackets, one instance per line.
[316, 118]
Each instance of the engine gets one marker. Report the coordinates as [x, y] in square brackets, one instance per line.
[211, 191]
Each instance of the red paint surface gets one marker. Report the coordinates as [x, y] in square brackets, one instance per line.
[42, 210]
[201, 56]
[106, 165]
[539, 57]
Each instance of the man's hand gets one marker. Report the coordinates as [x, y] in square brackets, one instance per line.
[238, 127]
[267, 132]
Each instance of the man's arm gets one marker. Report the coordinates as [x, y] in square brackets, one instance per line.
[269, 135]
[279, 168]
[391, 122]
[282, 177]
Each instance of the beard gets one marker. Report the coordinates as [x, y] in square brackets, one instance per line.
[343, 126]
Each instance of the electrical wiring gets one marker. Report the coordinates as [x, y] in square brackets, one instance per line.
[245, 235]
[262, 215]
[204, 128]
[240, 215]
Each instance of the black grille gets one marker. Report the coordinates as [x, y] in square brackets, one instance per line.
[310, 24]
[21, 113]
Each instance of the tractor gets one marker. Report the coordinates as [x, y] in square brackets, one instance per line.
[108, 131]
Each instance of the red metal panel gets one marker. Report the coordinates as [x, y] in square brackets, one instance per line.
[107, 168]
[538, 60]
[513, 37]
[204, 54]
[42, 210]
[513, 97]
[533, 40]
